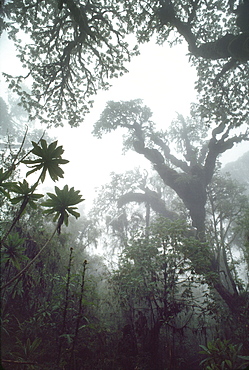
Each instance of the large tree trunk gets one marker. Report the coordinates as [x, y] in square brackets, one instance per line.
[153, 346]
[191, 189]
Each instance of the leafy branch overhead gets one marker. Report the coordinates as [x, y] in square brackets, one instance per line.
[229, 45]
[73, 48]
[217, 35]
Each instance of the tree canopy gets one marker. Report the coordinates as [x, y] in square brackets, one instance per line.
[72, 48]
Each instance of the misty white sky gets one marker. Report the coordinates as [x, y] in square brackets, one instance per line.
[161, 76]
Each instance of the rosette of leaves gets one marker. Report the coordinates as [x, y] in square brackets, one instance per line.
[62, 205]
[49, 160]
[221, 354]
[13, 251]
[25, 193]
[5, 186]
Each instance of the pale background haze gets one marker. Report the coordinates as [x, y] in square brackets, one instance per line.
[161, 76]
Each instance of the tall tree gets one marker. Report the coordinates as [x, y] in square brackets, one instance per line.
[222, 228]
[188, 175]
